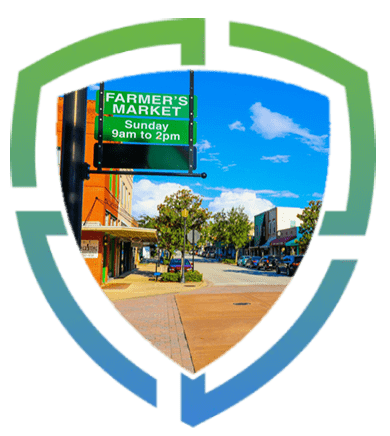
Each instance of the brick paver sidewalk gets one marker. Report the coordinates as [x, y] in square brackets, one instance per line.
[157, 319]
[151, 307]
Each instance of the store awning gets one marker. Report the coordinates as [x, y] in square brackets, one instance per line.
[136, 234]
[267, 244]
[283, 240]
[292, 243]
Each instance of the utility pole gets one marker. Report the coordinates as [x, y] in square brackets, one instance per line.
[73, 168]
[184, 214]
[193, 249]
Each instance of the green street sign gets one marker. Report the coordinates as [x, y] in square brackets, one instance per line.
[120, 129]
[146, 104]
[144, 156]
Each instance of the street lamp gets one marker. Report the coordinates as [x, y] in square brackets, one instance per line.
[184, 214]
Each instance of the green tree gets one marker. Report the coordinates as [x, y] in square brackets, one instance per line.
[205, 235]
[146, 222]
[309, 218]
[170, 223]
[231, 227]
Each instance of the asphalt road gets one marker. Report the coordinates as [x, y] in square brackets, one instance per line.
[220, 274]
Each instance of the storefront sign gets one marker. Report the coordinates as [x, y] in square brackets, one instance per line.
[146, 104]
[92, 224]
[89, 249]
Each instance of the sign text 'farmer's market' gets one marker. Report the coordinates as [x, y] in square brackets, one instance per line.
[146, 104]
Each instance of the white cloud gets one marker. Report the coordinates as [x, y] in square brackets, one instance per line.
[226, 167]
[274, 125]
[276, 159]
[252, 205]
[94, 87]
[203, 145]
[148, 195]
[212, 158]
[282, 194]
[317, 195]
[268, 192]
[237, 125]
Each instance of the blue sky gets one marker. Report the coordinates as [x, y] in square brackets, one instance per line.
[262, 143]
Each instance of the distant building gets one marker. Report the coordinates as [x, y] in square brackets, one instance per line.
[268, 227]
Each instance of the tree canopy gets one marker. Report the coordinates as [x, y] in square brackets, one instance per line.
[309, 218]
[146, 222]
[170, 223]
[231, 227]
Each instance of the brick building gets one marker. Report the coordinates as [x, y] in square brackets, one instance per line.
[274, 231]
[110, 235]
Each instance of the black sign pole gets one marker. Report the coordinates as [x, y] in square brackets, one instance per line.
[148, 173]
[191, 125]
[72, 157]
[100, 127]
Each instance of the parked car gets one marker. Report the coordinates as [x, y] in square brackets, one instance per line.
[212, 254]
[242, 260]
[268, 262]
[253, 262]
[175, 265]
[247, 261]
[288, 265]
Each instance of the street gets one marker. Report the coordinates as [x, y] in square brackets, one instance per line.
[196, 325]
[220, 274]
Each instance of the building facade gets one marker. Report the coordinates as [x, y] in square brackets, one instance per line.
[268, 227]
[110, 235]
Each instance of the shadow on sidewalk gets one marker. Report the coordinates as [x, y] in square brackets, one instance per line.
[141, 271]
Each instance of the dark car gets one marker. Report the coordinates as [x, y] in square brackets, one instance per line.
[247, 261]
[268, 262]
[242, 260]
[253, 262]
[288, 265]
[175, 265]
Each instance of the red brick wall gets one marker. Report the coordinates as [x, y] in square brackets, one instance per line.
[98, 185]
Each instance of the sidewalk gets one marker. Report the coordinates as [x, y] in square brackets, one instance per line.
[142, 283]
[193, 323]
